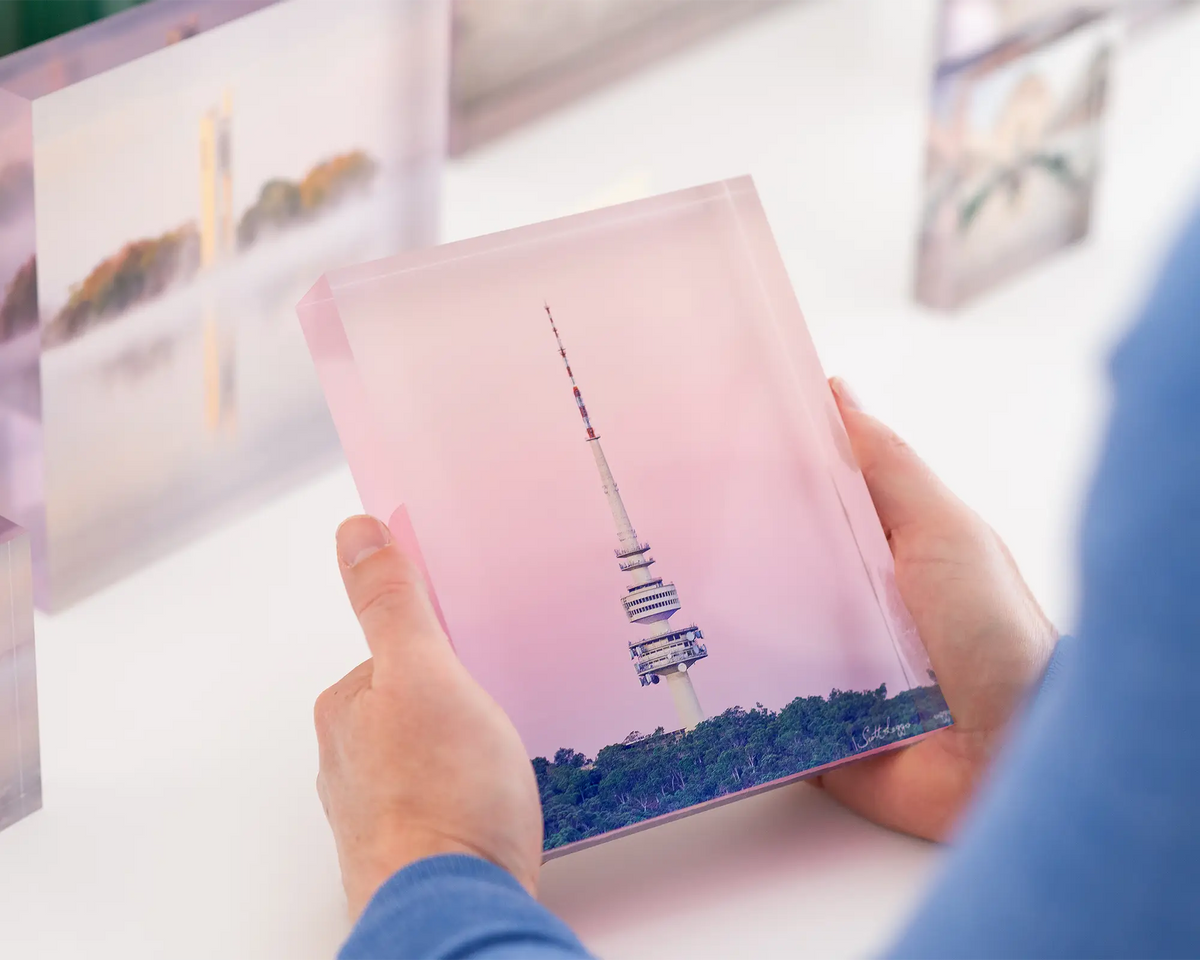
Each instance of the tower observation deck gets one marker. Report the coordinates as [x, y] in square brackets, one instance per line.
[666, 652]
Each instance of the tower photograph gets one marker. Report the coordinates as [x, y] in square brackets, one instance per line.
[630, 490]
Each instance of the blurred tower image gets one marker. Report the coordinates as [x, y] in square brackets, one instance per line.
[216, 184]
[668, 653]
[216, 244]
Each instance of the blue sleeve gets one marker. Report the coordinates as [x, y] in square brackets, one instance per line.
[461, 907]
[1059, 658]
[1084, 843]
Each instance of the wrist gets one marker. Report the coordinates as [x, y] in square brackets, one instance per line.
[367, 864]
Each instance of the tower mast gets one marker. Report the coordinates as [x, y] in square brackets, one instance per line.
[668, 652]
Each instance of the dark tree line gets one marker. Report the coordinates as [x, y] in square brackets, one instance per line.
[18, 309]
[144, 269]
[626, 784]
[139, 271]
[283, 203]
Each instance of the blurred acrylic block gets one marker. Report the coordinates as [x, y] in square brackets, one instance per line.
[1145, 13]
[171, 179]
[513, 60]
[457, 377]
[1013, 151]
[967, 27]
[20, 769]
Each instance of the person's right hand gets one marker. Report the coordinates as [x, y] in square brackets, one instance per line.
[987, 638]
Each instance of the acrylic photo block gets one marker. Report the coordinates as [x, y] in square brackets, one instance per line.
[20, 767]
[1146, 13]
[171, 179]
[1013, 153]
[679, 590]
[513, 60]
[967, 27]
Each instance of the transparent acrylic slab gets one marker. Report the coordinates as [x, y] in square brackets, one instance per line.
[610, 443]
[1142, 14]
[514, 60]
[1014, 143]
[196, 165]
[968, 27]
[20, 766]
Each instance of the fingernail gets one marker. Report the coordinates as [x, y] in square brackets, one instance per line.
[359, 537]
[846, 396]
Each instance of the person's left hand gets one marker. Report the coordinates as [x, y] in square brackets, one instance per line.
[987, 637]
[416, 759]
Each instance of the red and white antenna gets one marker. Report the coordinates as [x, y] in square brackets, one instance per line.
[574, 387]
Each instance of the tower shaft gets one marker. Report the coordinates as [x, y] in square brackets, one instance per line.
[668, 652]
[216, 183]
[626, 535]
[687, 704]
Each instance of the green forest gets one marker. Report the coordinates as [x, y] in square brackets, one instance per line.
[634, 781]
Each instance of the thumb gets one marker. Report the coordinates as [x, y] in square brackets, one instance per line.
[905, 491]
[388, 595]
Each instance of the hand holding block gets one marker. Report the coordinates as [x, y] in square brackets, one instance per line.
[763, 636]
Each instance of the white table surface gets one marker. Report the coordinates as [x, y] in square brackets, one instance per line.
[180, 818]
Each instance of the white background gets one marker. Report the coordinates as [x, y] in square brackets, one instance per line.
[180, 818]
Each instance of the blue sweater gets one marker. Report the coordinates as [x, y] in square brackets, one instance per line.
[1085, 841]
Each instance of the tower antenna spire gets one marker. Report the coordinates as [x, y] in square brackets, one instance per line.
[562, 352]
[668, 652]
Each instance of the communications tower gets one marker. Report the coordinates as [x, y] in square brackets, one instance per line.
[668, 652]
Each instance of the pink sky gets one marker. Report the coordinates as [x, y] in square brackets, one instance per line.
[721, 468]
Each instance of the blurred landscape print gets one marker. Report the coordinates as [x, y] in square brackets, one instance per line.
[1013, 151]
[186, 199]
